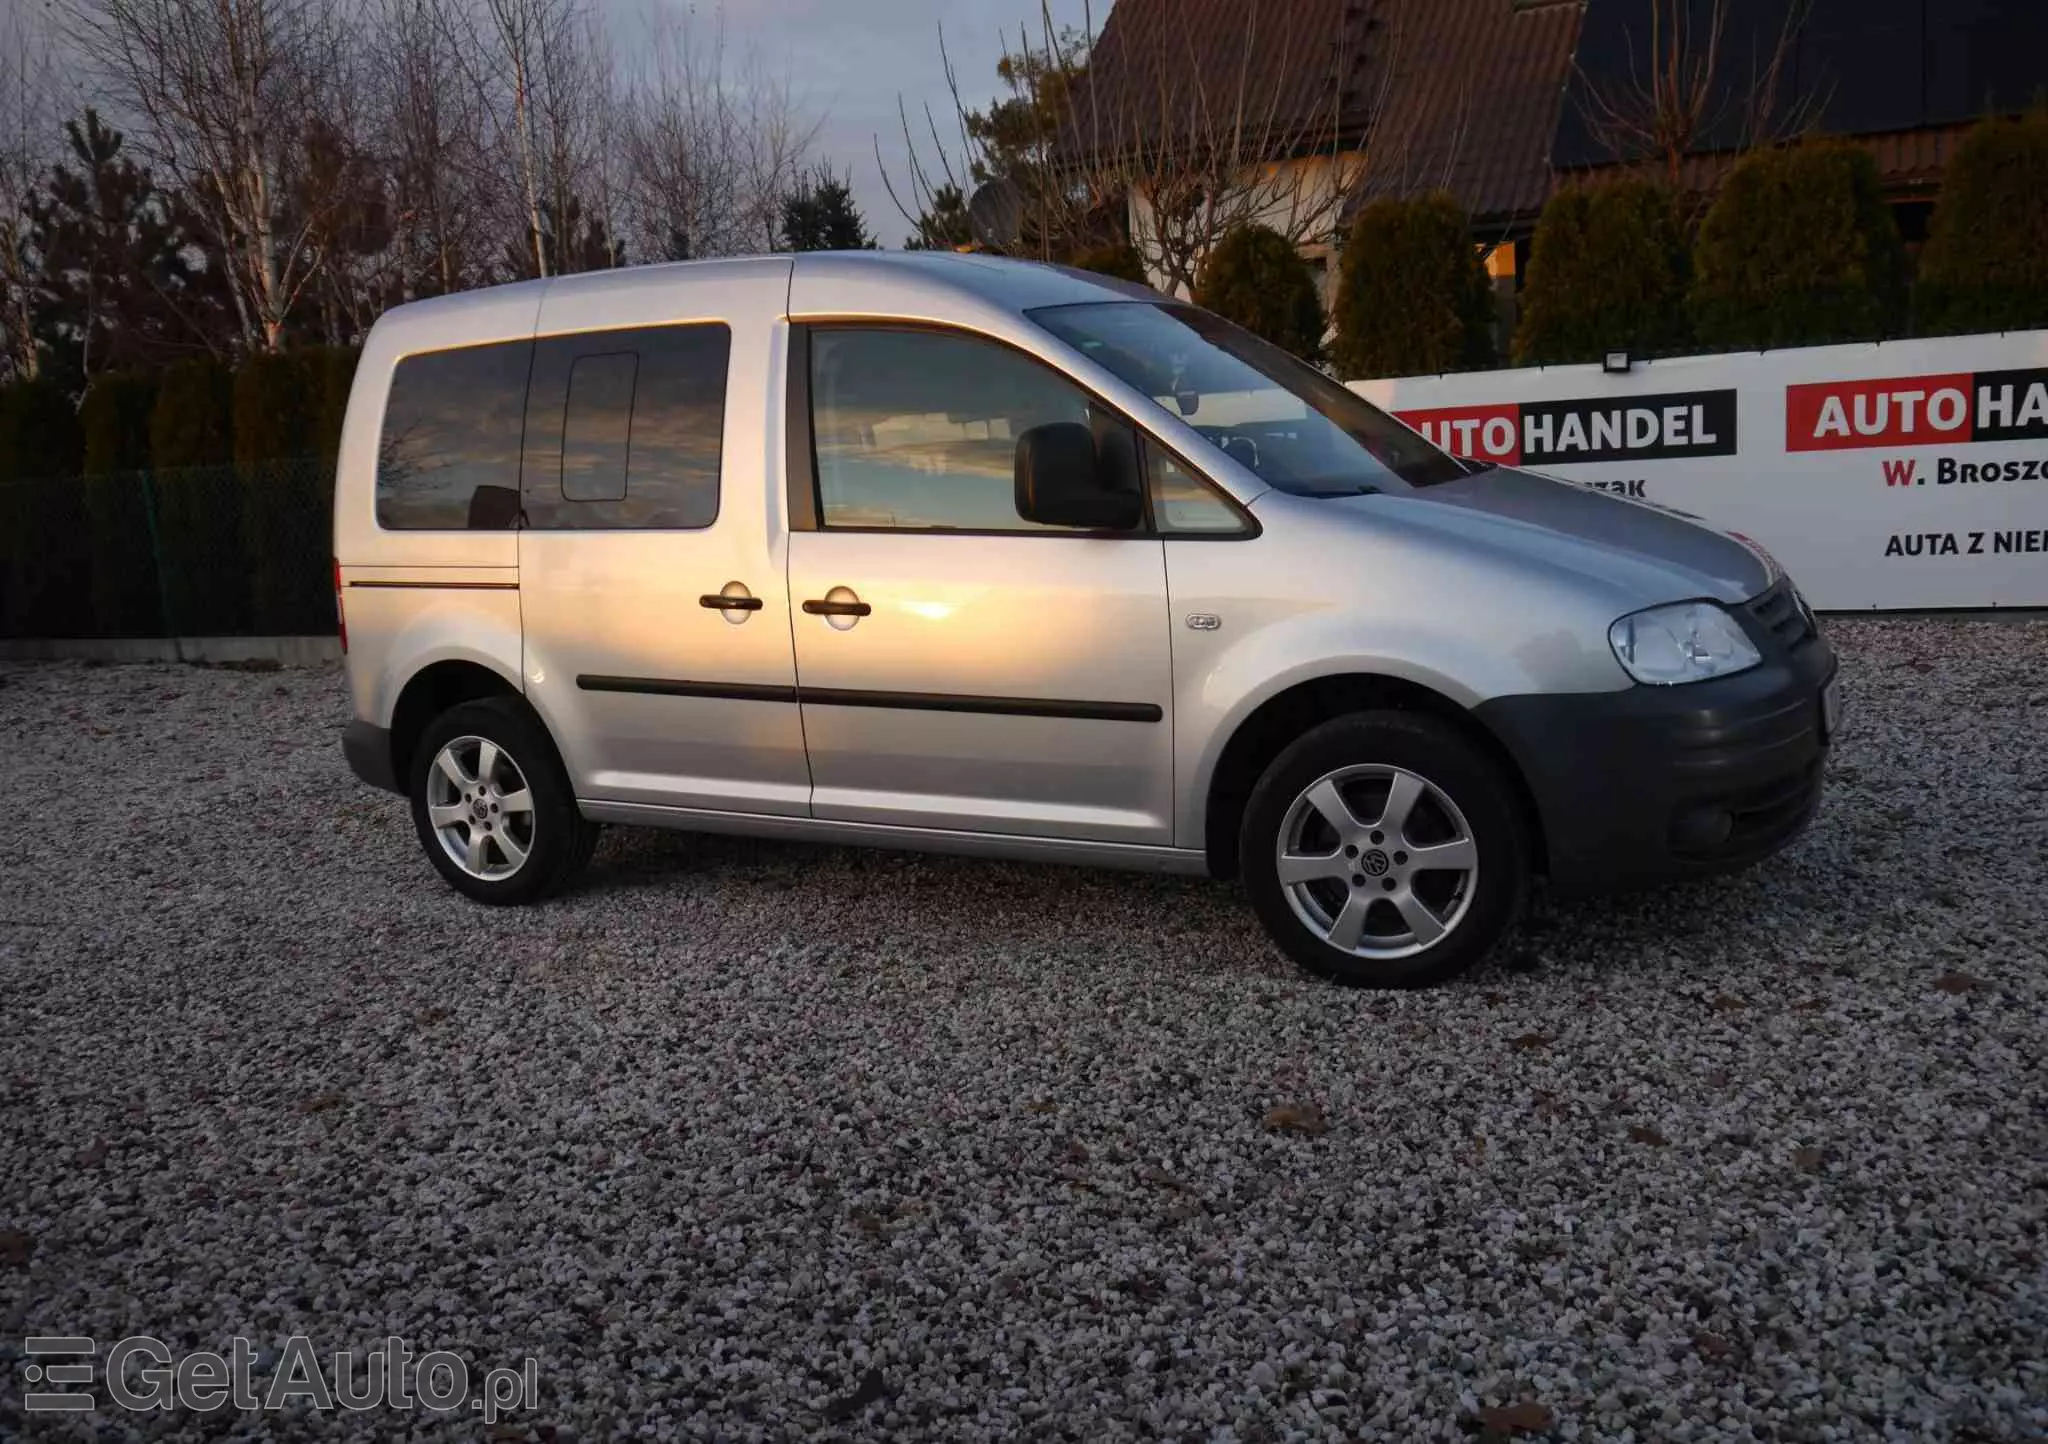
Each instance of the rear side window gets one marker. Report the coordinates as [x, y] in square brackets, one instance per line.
[624, 429]
[448, 459]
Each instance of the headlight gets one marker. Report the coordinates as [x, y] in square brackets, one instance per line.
[1683, 642]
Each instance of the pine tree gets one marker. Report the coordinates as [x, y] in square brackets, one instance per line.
[1607, 272]
[1256, 278]
[121, 290]
[1798, 249]
[819, 215]
[1985, 265]
[1412, 298]
[943, 226]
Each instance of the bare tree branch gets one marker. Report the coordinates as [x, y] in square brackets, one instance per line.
[224, 89]
[28, 127]
[1675, 99]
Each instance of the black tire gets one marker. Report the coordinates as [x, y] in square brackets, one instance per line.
[1481, 905]
[560, 839]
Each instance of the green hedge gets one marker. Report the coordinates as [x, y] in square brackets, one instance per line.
[45, 560]
[39, 434]
[1607, 271]
[1255, 277]
[338, 374]
[173, 581]
[1121, 261]
[1799, 249]
[115, 417]
[1985, 265]
[195, 502]
[45, 567]
[198, 504]
[1412, 298]
[278, 404]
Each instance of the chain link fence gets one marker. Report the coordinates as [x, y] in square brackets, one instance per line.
[213, 551]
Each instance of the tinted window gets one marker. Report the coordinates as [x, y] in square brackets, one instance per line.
[598, 426]
[1283, 420]
[449, 455]
[918, 429]
[624, 428]
[1184, 503]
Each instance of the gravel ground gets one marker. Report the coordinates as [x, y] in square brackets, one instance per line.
[758, 1141]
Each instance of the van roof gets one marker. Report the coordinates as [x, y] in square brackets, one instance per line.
[913, 277]
[1016, 284]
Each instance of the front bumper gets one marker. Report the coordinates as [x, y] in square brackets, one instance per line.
[1650, 784]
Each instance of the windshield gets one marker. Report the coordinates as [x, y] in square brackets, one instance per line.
[1294, 427]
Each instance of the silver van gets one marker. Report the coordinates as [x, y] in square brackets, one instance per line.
[990, 557]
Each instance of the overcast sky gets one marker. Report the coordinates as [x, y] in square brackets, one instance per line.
[846, 62]
[850, 59]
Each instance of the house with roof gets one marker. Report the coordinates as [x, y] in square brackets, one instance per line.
[1321, 105]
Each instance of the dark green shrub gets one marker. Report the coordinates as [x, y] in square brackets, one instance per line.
[114, 417]
[1255, 277]
[278, 399]
[39, 433]
[1412, 297]
[338, 372]
[115, 414]
[1985, 265]
[1606, 272]
[191, 423]
[1799, 249]
[287, 533]
[1120, 260]
[45, 560]
[44, 565]
[198, 502]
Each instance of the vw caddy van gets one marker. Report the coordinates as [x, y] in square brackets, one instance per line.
[992, 557]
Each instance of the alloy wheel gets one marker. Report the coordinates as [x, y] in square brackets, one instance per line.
[480, 808]
[1377, 861]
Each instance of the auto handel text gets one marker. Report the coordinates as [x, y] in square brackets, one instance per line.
[142, 1373]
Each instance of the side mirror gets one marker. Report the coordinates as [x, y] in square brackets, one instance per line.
[1061, 481]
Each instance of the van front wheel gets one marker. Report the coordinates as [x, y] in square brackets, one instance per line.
[493, 807]
[1384, 850]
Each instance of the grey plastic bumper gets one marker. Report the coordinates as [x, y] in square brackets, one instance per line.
[368, 750]
[1656, 783]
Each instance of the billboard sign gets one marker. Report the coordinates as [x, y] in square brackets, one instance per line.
[1905, 475]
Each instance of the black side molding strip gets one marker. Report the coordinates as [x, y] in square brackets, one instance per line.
[998, 706]
[666, 687]
[443, 586]
[899, 701]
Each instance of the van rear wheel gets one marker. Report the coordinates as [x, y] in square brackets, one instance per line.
[1383, 850]
[493, 806]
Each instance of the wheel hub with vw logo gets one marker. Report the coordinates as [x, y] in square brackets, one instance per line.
[1378, 861]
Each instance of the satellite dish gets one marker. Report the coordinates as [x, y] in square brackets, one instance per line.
[996, 214]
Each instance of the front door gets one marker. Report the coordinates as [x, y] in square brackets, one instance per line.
[651, 587]
[958, 666]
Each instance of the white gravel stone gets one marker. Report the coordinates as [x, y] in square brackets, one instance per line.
[751, 1141]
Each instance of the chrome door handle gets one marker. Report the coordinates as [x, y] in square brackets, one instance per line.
[834, 607]
[720, 603]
